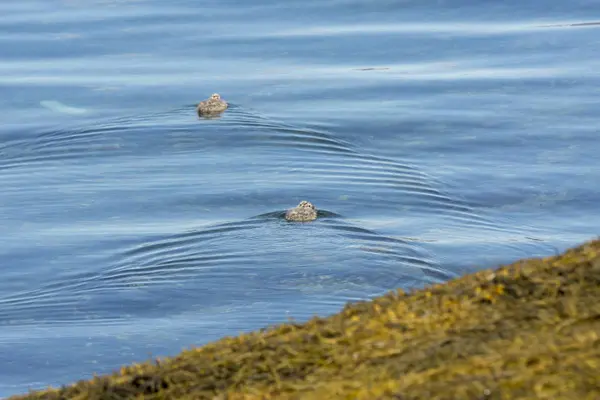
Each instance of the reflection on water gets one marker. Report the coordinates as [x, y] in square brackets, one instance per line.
[433, 142]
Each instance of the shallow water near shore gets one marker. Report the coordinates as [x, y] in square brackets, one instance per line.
[434, 138]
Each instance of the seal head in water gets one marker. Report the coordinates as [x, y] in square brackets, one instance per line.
[304, 212]
[214, 105]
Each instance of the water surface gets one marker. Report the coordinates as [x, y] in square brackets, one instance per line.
[435, 138]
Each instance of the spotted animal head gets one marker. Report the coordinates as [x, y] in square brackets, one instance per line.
[306, 204]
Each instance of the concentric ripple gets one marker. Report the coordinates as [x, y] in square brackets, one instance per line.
[262, 259]
[258, 259]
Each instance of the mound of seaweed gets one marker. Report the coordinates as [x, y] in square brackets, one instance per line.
[527, 330]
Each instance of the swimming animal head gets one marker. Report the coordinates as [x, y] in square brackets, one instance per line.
[212, 107]
[306, 204]
[303, 212]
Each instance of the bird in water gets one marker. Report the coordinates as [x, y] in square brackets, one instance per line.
[304, 212]
[214, 105]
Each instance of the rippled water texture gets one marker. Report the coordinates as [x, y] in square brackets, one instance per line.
[435, 138]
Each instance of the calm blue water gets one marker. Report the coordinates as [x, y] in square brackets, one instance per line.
[435, 138]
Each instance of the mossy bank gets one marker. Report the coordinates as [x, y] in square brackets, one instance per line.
[530, 330]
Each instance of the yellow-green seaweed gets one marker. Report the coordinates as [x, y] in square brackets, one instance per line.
[529, 330]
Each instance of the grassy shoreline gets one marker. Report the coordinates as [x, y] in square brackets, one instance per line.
[529, 330]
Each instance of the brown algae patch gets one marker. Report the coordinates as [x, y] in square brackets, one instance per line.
[530, 330]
